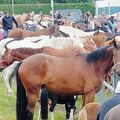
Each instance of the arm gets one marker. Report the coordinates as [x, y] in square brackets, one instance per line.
[14, 20]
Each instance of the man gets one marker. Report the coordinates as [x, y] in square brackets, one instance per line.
[113, 114]
[7, 22]
[110, 103]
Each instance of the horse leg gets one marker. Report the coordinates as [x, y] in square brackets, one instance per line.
[32, 100]
[89, 97]
[52, 106]
[68, 108]
[44, 104]
[70, 105]
[8, 75]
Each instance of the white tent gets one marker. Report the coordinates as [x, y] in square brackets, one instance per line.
[107, 6]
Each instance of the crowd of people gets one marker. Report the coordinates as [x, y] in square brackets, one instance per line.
[103, 22]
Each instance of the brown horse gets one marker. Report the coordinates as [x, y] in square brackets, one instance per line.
[10, 55]
[21, 19]
[19, 54]
[81, 74]
[22, 33]
[89, 111]
[99, 39]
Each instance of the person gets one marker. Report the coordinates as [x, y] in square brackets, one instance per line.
[110, 103]
[7, 22]
[112, 24]
[113, 114]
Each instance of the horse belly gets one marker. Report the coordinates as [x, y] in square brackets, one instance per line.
[63, 85]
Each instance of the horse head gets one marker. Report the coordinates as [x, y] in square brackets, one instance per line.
[89, 44]
[7, 57]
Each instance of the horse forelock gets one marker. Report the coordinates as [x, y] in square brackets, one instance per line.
[98, 54]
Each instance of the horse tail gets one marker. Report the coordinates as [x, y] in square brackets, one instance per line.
[83, 114]
[21, 103]
[44, 103]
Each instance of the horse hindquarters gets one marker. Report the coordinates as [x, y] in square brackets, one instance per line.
[21, 105]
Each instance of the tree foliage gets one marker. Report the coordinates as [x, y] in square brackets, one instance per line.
[40, 1]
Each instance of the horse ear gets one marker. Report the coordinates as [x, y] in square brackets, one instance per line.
[6, 48]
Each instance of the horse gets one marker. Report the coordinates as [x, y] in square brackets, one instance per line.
[99, 38]
[21, 19]
[56, 42]
[21, 53]
[62, 76]
[69, 102]
[89, 111]
[22, 33]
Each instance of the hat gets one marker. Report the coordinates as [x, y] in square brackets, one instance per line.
[117, 90]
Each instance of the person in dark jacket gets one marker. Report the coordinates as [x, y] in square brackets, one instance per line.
[7, 22]
[110, 103]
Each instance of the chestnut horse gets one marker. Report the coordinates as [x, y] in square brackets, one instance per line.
[21, 53]
[81, 74]
[89, 111]
[22, 33]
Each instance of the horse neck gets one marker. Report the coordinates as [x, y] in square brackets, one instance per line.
[106, 64]
[19, 54]
[102, 60]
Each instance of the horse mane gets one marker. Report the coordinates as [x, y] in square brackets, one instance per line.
[97, 54]
[28, 50]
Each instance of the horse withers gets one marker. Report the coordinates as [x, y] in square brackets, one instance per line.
[57, 75]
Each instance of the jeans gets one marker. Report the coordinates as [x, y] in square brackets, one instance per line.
[5, 33]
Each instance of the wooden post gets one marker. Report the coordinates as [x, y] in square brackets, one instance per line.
[12, 7]
[52, 6]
